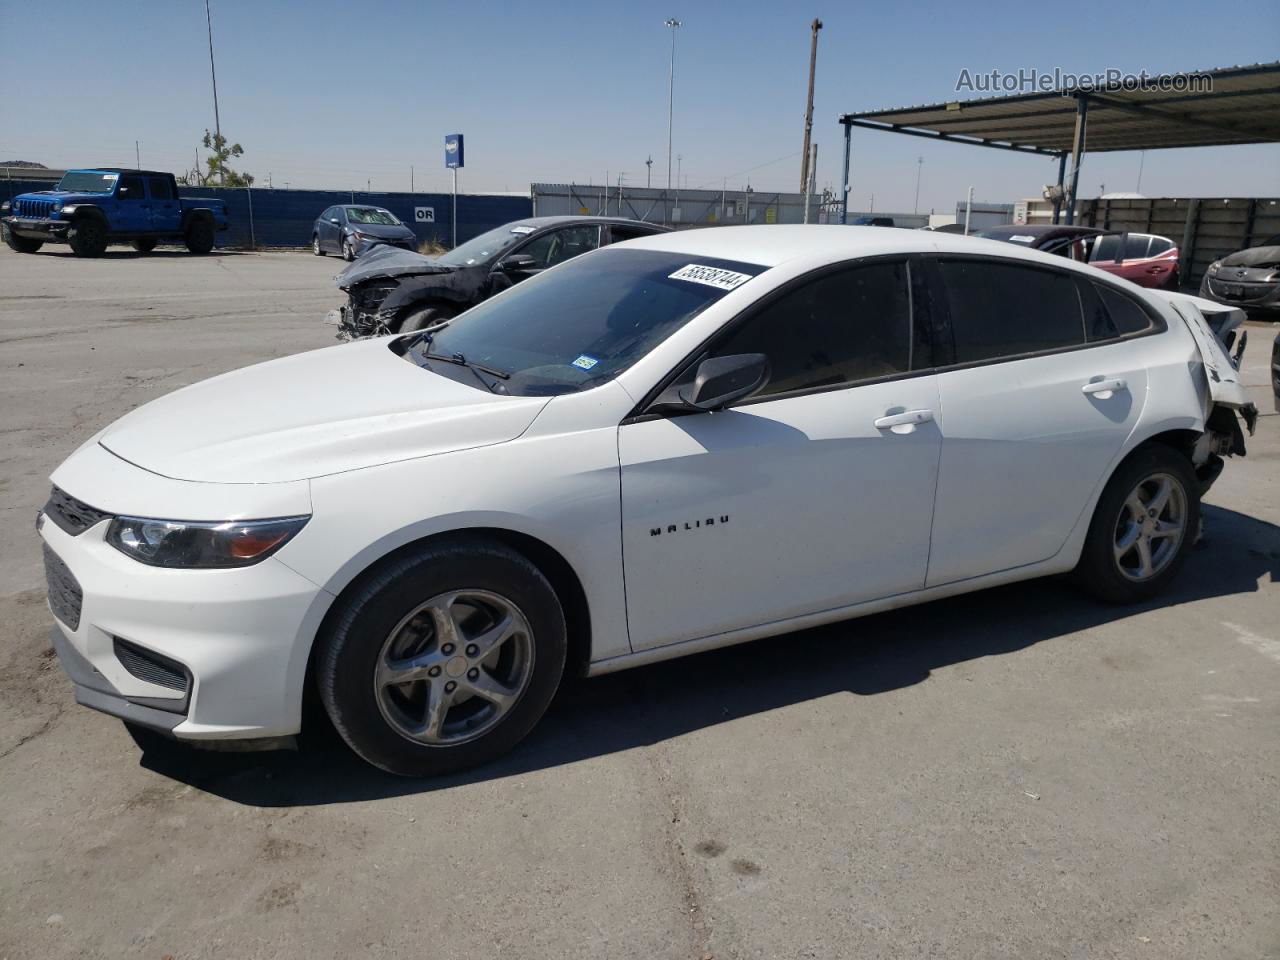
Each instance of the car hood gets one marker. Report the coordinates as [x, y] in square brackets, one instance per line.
[388, 262]
[1254, 257]
[63, 195]
[332, 410]
[390, 231]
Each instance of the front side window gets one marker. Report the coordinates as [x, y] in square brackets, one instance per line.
[1106, 249]
[1005, 310]
[561, 245]
[570, 329]
[131, 188]
[372, 215]
[840, 328]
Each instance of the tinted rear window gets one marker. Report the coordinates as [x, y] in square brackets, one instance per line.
[1004, 310]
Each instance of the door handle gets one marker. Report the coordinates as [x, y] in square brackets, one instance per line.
[903, 422]
[1105, 389]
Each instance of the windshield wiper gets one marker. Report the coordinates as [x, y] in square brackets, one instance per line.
[424, 336]
[475, 368]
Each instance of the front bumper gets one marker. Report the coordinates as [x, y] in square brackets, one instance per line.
[236, 640]
[37, 229]
[1251, 296]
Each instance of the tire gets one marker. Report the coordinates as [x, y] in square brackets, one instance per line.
[422, 318]
[88, 237]
[22, 244]
[199, 236]
[483, 584]
[1139, 482]
[348, 251]
[315, 246]
[144, 246]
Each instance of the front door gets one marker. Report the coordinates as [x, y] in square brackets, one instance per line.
[133, 209]
[1039, 401]
[814, 494]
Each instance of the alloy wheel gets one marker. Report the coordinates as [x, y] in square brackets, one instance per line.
[454, 667]
[1150, 528]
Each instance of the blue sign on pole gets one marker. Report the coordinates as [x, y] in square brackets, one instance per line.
[453, 150]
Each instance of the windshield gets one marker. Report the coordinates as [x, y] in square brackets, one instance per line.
[83, 181]
[587, 320]
[372, 215]
[486, 246]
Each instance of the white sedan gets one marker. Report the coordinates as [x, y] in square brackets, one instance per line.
[671, 444]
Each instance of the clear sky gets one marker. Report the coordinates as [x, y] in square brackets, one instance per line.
[334, 94]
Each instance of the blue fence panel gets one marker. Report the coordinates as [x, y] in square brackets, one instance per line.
[284, 218]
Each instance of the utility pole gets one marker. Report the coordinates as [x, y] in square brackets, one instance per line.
[137, 158]
[674, 24]
[808, 109]
[811, 187]
[919, 170]
[213, 73]
[411, 190]
[270, 185]
[648, 172]
[368, 186]
[968, 211]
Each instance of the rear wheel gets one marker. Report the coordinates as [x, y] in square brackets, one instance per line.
[199, 236]
[315, 245]
[88, 237]
[1144, 525]
[144, 246]
[22, 244]
[444, 659]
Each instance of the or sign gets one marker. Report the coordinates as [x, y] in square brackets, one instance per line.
[424, 214]
[453, 150]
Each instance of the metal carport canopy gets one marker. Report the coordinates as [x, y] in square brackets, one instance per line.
[1223, 106]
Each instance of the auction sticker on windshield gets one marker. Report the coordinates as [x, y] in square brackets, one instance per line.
[711, 276]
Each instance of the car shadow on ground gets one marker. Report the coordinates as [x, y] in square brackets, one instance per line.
[647, 705]
[159, 253]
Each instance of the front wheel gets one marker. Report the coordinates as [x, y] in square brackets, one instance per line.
[1146, 520]
[199, 236]
[348, 251]
[87, 237]
[22, 244]
[423, 318]
[144, 246]
[444, 659]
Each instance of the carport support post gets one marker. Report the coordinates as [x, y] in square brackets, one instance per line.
[844, 180]
[1077, 153]
[1062, 174]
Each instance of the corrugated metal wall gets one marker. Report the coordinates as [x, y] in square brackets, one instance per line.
[283, 218]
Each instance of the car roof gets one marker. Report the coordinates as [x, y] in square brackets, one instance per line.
[540, 222]
[1040, 230]
[131, 170]
[772, 245]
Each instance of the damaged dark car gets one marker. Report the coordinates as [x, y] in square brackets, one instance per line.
[397, 291]
[1249, 279]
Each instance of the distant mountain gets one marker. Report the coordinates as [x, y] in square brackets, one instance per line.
[22, 163]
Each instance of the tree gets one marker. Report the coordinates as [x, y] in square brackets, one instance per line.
[219, 172]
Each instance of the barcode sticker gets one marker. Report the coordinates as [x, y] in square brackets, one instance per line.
[711, 276]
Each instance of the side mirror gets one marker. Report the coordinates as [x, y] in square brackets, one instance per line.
[334, 220]
[720, 381]
[123, 191]
[518, 263]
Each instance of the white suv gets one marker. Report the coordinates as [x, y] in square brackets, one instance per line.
[672, 444]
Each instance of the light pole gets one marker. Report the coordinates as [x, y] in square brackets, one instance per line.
[213, 73]
[674, 24]
[648, 172]
[919, 170]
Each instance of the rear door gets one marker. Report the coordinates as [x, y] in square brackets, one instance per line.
[1042, 387]
[166, 215]
[133, 208]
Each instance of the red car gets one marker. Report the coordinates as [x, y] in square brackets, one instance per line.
[1145, 259]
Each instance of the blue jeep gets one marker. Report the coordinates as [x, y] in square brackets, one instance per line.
[91, 208]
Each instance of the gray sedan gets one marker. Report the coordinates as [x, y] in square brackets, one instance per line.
[351, 229]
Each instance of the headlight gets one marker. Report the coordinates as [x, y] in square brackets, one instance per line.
[4, 207]
[1213, 267]
[175, 543]
[69, 209]
[57, 204]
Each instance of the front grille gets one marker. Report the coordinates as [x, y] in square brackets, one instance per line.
[72, 515]
[368, 297]
[38, 209]
[149, 666]
[65, 595]
[1248, 292]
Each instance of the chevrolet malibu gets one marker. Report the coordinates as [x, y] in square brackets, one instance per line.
[671, 444]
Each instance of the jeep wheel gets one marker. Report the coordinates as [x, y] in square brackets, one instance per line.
[200, 236]
[22, 244]
[88, 237]
[315, 245]
[443, 659]
[144, 246]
